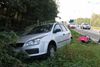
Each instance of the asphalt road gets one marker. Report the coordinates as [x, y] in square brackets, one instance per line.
[94, 35]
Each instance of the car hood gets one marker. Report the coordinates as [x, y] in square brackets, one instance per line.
[26, 38]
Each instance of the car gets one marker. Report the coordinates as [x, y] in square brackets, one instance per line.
[72, 26]
[44, 40]
[86, 26]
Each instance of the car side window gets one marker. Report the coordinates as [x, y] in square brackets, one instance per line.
[57, 26]
[63, 27]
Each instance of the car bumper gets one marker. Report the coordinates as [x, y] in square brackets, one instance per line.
[86, 28]
[32, 50]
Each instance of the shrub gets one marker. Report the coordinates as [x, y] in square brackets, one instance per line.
[7, 58]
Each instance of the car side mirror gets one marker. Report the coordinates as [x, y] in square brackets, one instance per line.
[57, 30]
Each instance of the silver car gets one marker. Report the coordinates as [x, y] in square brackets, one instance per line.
[85, 26]
[44, 40]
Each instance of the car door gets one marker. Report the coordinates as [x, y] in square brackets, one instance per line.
[58, 35]
[66, 35]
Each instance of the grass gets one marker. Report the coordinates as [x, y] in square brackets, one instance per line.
[95, 28]
[76, 54]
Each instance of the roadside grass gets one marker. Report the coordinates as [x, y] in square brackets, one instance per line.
[95, 28]
[76, 54]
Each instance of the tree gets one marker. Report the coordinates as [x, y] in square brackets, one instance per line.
[95, 20]
[21, 13]
[83, 20]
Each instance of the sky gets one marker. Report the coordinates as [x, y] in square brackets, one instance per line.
[72, 9]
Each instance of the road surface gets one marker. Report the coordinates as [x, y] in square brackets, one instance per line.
[94, 35]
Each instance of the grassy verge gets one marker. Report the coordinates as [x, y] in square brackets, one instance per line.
[95, 28]
[75, 55]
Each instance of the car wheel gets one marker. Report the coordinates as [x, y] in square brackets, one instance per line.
[51, 51]
[71, 37]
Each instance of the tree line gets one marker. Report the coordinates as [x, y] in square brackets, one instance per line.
[18, 14]
[94, 20]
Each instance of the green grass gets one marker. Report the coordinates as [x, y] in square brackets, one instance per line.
[76, 54]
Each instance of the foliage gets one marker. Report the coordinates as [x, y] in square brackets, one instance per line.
[82, 20]
[17, 14]
[7, 55]
[94, 20]
[8, 37]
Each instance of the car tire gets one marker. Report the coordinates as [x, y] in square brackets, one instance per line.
[88, 28]
[51, 51]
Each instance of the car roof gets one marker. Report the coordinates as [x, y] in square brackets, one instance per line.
[50, 23]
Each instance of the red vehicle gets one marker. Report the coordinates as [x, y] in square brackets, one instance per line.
[84, 39]
[72, 26]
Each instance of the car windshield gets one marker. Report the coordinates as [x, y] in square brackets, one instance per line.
[86, 24]
[41, 29]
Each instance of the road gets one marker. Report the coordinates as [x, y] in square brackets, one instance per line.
[94, 35]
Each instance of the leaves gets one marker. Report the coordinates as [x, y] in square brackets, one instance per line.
[8, 37]
[22, 13]
[94, 20]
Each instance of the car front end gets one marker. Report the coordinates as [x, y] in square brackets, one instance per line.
[34, 42]
[32, 47]
[86, 26]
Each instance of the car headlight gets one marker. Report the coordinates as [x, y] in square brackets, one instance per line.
[32, 42]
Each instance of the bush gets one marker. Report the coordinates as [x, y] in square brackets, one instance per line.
[7, 57]
[8, 37]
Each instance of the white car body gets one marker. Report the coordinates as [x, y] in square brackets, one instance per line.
[43, 40]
